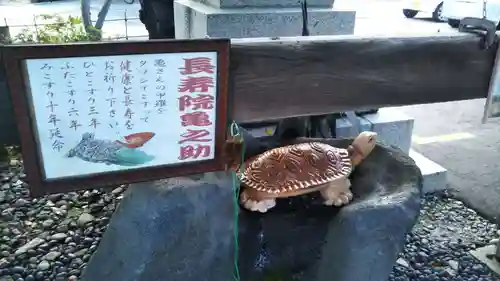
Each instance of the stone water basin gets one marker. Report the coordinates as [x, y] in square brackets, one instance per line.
[183, 229]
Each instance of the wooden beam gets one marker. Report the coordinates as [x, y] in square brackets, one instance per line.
[300, 76]
[314, 75]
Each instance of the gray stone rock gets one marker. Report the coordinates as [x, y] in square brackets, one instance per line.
[28, 246]
[51, 256]
[191, 220]
[43, 265]
[58, 236]
[179, 229]
[85, 218]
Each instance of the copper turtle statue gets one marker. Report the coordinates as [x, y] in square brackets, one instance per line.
[302, 168]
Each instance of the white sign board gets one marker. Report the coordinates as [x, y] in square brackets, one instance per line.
[108, 113]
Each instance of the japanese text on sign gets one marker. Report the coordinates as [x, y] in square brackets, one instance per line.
[98, 114]
[196, 101]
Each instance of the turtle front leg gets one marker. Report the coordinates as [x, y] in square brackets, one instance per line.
[254, 203]
[337, 193]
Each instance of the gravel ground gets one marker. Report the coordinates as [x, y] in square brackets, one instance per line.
[49, 238]
[53, 237]
[437, 249]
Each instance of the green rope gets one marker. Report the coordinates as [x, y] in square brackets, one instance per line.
[235, 133]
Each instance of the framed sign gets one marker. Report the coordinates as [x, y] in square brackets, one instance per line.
[101, 114]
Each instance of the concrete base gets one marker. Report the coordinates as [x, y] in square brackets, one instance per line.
[393, 127]
[264, 3]
[434, 175]
[483, 254]
[196, 20]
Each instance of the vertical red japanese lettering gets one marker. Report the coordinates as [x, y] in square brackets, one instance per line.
[196, 77]
[197, 65]
[194, 152]
[193, 135]
[200, 101]
[196, 84]
[197, 118]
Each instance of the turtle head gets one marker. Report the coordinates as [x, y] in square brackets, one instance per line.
[362, 145]
[88, 136]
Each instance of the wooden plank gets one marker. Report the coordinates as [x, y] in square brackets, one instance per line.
[314, 75]
[299, 76]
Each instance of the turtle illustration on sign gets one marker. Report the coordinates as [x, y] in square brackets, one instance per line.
[120, 152]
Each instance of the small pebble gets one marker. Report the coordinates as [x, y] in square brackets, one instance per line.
[438, 247]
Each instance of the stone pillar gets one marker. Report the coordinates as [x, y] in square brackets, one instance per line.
[258, 18]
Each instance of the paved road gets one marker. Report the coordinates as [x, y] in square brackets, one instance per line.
[386, 17]
[472, 150]
[452, 135]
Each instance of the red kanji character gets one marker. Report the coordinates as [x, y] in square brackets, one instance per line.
[198, 118]
[197, 65]
[195, 135]
[199, 102]
[196, 84]
[192, 152]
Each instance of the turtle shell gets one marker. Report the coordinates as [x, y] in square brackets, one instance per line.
[294, 167]
[94, 150]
